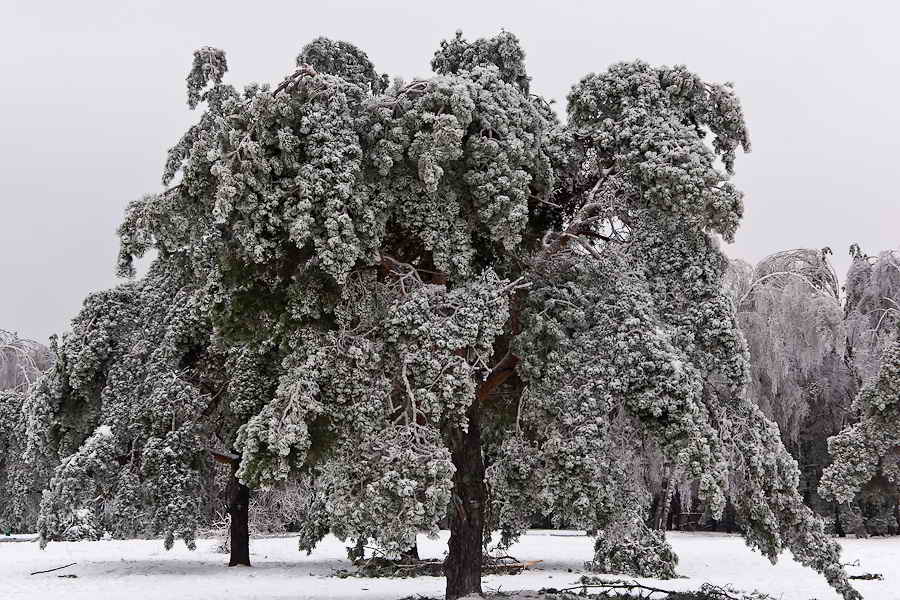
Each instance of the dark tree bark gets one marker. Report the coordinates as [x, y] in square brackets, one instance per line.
[662, 509]
[463, 565]
[654, 514]
[239, 510]
[730, 516]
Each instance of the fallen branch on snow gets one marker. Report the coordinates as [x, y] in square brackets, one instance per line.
[379, 566]
[631, 588]
[51, 570]
[13, 540]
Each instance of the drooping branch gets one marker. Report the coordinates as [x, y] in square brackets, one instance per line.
[768, 276]
[589, 187]
[410, 412]
[403, 271]
[416, 88]
[293, 78]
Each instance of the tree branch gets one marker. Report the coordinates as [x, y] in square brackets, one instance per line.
[500, 373]
[293, 77]
[51, 570]
[223, 457]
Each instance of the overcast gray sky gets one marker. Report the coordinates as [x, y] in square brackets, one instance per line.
[93, 95]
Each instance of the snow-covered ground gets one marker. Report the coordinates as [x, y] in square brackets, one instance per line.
[143, 570]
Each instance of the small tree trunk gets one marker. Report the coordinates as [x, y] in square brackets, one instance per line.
[730, 514]
[659, 515]
[669, 488]
[463, 565]
[239, 528]
[653, 513]
[411, 553]
[896, 516]
[838, 525]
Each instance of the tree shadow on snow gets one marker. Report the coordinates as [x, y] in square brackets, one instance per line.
[197, 568]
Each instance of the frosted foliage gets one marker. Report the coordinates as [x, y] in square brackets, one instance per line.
[797, 341]
[120, 413]
[18, 505]
[592, 351]
[685, 273]
[765, 480]
[871, 447]
[648, 124]
[320, 166]
[632, 548]
[403, 472]
[344, 60]
[866, 452]
[502, 51]
[341, 379]
[354, 282]
[21, 364]
[209, 66]
[872, 308]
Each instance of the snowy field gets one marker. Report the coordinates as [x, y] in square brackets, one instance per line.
[143, 570]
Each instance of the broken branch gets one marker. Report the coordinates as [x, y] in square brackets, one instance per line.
[51, 570]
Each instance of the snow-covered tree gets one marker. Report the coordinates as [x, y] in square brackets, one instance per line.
[867, 453]
[21, 361]
[140, 406]
[21, 364]
[471, 304]
[790, 312]
[114, 405]
[872, 307]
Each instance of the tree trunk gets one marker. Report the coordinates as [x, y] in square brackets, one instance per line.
[411, 554]
[661, 512]
[897, 515]
[838, 526]
[463, 564]
[669, 489]
[239, 510]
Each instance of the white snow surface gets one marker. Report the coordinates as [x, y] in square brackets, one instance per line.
[144, 570]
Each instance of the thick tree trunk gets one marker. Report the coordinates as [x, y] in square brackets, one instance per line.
[463, 565]
[239, 529]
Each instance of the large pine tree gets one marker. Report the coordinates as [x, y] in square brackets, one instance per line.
[440, 296]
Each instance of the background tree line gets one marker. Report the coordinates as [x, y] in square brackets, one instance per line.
[814, 343]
